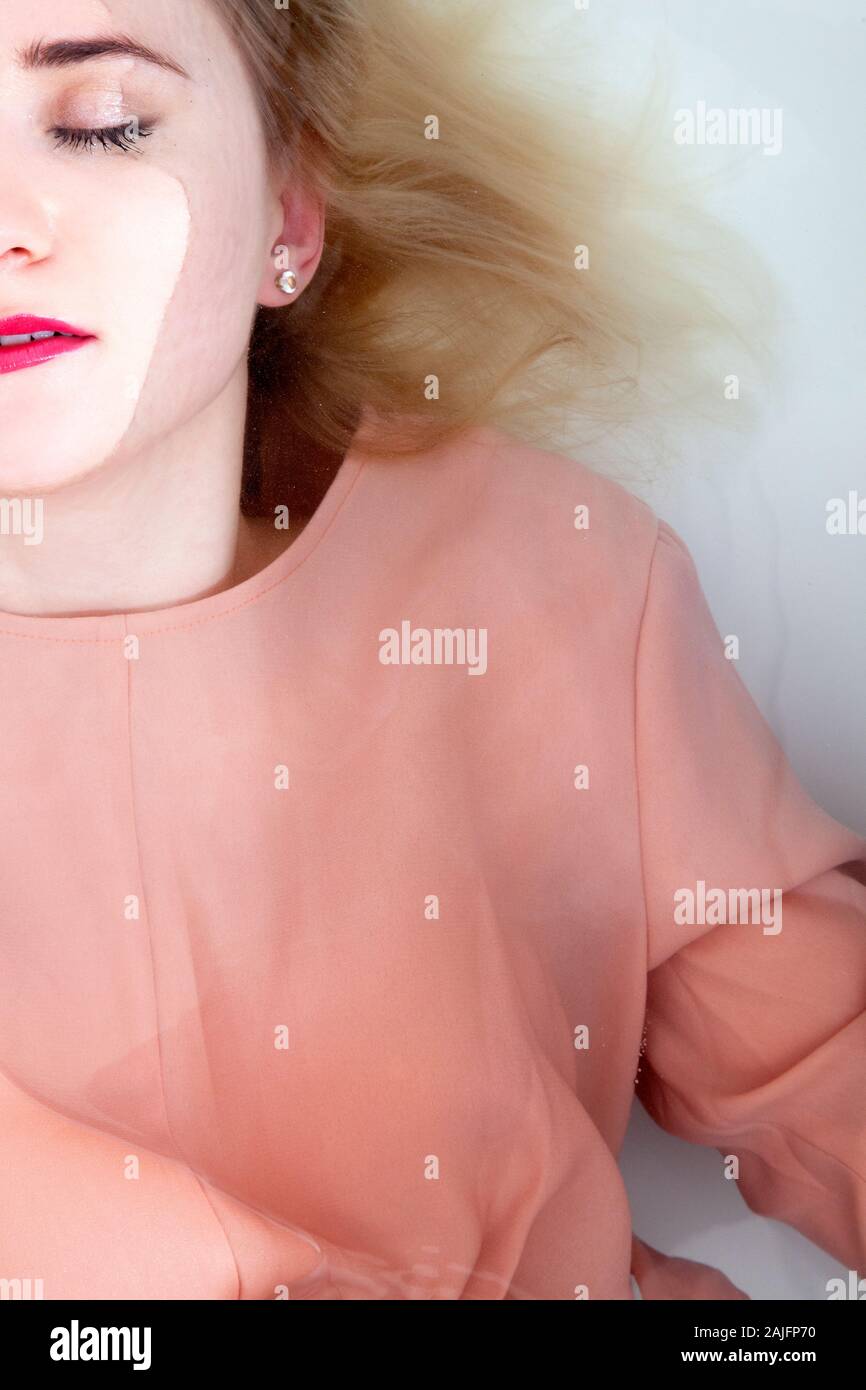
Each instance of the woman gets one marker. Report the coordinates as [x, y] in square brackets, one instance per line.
[348, 836]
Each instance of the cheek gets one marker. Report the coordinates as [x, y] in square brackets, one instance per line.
[206, 327]
[205, 330]
[121, 244]
[141, 237]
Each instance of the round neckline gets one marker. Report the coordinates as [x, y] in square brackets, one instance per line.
[107, 627]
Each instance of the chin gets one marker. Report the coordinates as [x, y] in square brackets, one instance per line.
[40, 468]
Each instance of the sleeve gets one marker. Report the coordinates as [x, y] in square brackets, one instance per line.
[755, 1039]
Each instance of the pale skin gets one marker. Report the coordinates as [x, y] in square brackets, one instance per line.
[163, 253]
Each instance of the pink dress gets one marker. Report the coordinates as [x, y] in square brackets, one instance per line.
[345, 913]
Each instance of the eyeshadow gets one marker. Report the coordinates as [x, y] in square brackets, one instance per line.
[93, 104]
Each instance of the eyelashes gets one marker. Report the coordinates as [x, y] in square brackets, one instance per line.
[119, 137]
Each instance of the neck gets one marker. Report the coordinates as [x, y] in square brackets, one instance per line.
[156, 528]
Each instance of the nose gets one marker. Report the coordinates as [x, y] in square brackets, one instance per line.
[26, 235]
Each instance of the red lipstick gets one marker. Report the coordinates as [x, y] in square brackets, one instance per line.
[52, 338]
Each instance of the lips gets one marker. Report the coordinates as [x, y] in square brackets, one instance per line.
[27, 340]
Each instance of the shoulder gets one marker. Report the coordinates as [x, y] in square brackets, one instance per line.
[543, 522]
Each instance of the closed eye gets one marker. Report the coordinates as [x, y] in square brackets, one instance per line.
[119, 137]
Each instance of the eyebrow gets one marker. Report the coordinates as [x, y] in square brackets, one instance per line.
[66, 52]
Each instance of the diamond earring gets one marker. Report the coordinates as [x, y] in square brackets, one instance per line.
[287, 282]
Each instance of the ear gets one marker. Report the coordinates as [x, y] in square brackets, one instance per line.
[298, 236]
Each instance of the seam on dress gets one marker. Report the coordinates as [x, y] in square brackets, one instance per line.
[68, 641]
[143, 892]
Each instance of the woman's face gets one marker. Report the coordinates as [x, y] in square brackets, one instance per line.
[157, 251]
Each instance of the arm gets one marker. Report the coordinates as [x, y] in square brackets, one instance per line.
[756, 1032]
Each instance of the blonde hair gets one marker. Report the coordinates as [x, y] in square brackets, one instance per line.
[457, 196]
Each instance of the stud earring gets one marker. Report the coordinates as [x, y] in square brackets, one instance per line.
[287, 282]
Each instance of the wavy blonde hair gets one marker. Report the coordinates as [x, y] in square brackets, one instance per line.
[457, 196]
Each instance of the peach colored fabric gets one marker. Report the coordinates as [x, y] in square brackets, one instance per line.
[430, 1130]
